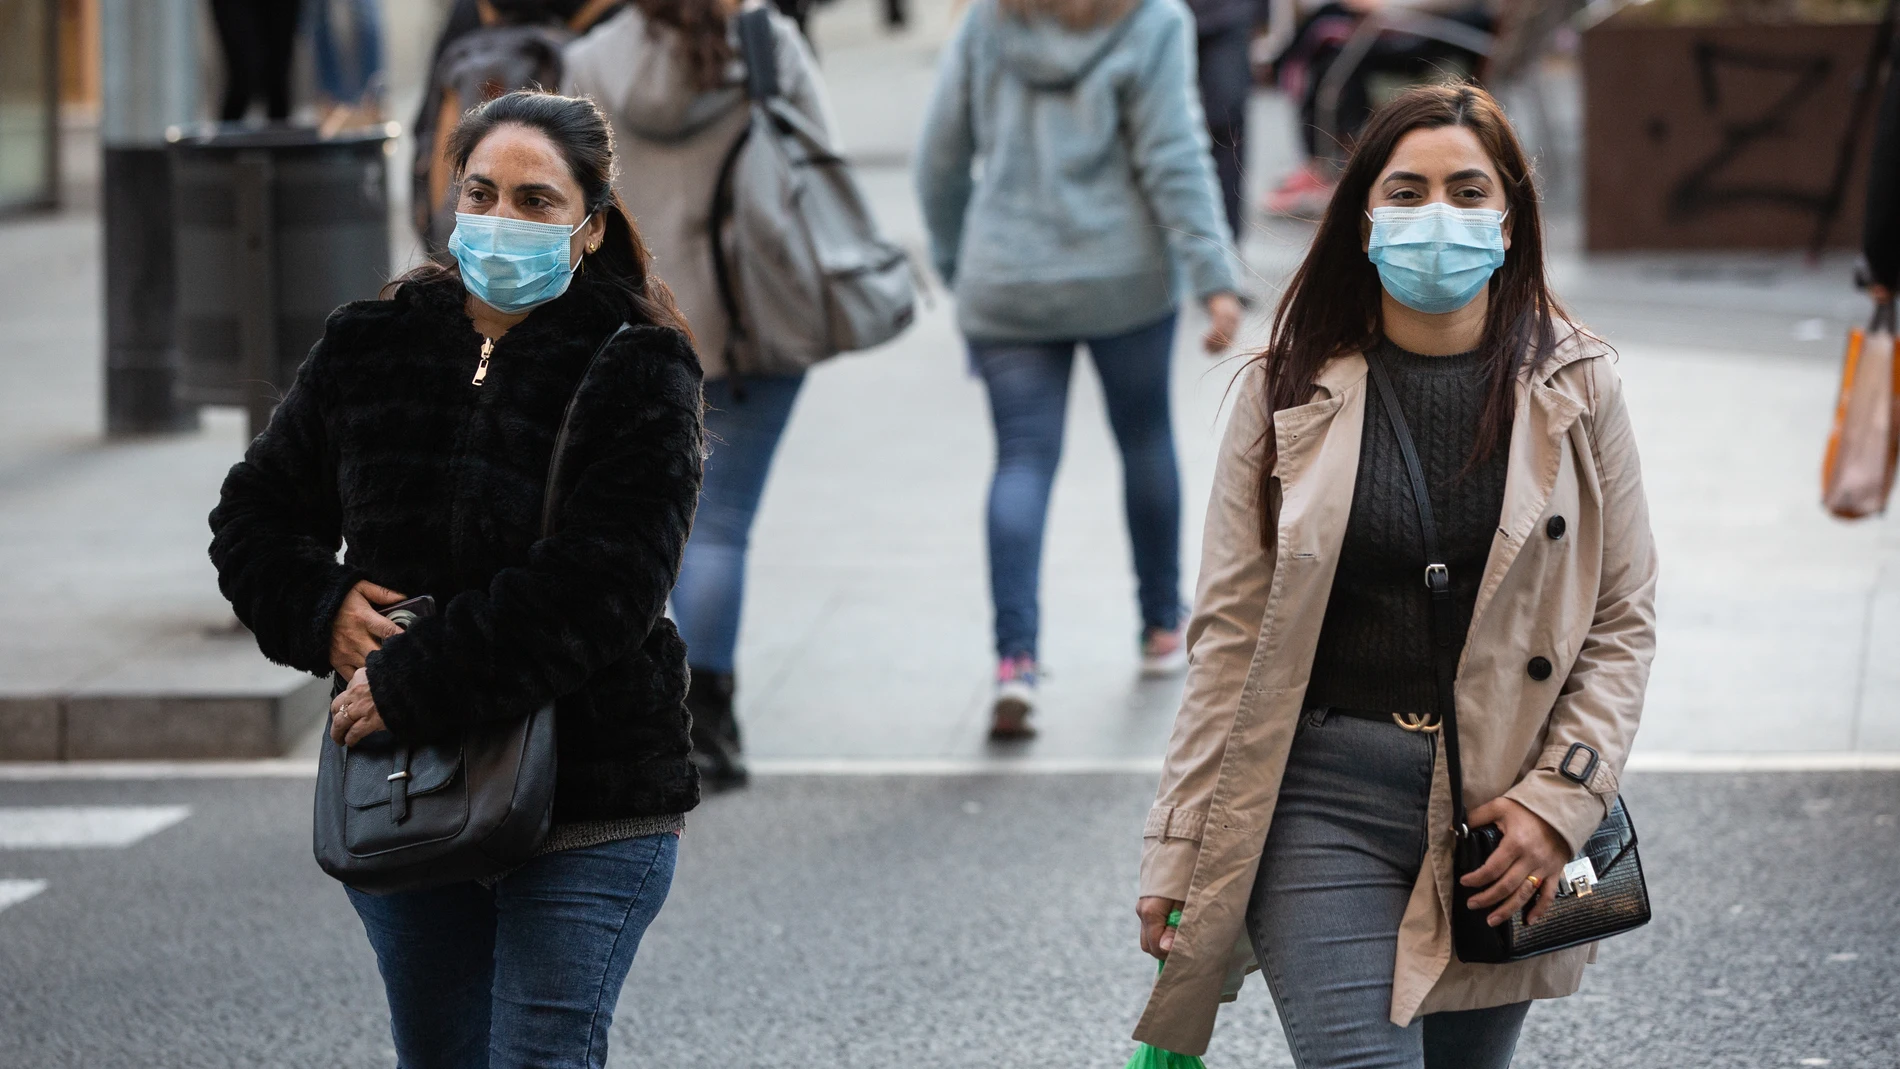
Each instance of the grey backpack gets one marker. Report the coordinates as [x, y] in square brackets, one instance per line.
[803, 271]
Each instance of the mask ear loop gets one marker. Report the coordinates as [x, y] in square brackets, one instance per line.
[580, 263]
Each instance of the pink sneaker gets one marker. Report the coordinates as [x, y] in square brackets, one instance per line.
[1304, 194]
[1015, 699]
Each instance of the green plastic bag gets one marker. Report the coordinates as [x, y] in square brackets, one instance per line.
[1147, 1057]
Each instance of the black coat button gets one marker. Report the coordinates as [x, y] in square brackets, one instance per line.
[1555, 528]
[1539, 669]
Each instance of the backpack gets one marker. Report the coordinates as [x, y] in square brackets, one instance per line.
[477, 67]
[802, 269]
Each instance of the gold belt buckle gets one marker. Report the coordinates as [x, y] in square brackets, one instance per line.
[1427, 723]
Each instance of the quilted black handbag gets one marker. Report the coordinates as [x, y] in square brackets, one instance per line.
[1602, 892]
[393, 817]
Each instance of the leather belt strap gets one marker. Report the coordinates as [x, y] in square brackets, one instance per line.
[1444, 617]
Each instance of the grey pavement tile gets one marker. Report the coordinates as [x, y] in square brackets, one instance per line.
[29, 729]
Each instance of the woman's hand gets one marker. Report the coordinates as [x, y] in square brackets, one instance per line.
[359, 628]
[1531, 848]
[1156, 937]
[353, 715]
[1223, 321]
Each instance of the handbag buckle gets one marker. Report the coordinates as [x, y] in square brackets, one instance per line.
[1437, 577]
[1579, 878]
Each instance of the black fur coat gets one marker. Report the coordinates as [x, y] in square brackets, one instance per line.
[435, 485]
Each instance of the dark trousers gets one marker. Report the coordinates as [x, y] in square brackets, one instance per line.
[1345, 848]
[257, 37]
[1226, 81]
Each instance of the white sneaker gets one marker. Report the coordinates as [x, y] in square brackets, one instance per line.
[1015, 699]
[1163, 653]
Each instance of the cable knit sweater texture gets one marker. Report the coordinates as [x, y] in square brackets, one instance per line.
[1375, 645]
[435, 485]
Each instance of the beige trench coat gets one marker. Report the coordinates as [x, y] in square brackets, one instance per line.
[1584, 601]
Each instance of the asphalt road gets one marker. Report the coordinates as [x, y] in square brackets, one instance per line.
[927, 922]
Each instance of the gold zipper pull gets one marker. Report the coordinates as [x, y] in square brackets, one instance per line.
[481, 369]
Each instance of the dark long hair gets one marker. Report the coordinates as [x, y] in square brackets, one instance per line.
[581, 133]
[702, 43]
[1331, 307]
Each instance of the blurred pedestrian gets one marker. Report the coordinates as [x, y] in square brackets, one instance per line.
[1224, 32]
[1097, 189]
[346, 40]
[666, 73]
[512, 44]
[1880, 237]
[418, 433]
[1326, 135]
[257, 37]
[1302, 807]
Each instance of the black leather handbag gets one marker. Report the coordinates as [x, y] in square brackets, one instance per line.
[1602, 892]
[393, 817]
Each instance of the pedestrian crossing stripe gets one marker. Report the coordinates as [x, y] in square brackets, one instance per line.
[14, 892]
[57, 827]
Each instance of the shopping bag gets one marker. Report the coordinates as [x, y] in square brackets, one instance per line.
[1147, 1057]
[1857, 474]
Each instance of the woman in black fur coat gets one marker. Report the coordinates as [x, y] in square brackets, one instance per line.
[418, 433]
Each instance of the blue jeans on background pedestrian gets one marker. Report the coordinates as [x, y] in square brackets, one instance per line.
[1342, 855]
[1028, 386]
[524, 975]
[349, 64]
[742, 436]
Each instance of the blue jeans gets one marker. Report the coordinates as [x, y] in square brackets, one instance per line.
[347, 76]
[1346, 845]
[1029, 397]
[742, 437]
[524, 976]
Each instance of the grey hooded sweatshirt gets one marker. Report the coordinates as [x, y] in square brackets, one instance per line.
[671, 137]
[1096, 188]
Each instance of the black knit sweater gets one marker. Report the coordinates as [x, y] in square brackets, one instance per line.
[1375, 644]
[435, 485]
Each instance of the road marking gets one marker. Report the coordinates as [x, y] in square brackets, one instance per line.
[53, 827]
[953, 766]
[1786, 761]
[44, 771]
[14, 892]
[306, 768]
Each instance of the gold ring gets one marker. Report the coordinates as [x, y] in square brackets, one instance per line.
[1536, 882]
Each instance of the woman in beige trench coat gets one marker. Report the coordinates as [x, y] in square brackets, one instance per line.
[1303, 820]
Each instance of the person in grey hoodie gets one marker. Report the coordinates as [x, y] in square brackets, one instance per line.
[667, 74]
[1096, 203]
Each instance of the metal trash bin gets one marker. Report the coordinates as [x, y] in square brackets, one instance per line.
[275, 228]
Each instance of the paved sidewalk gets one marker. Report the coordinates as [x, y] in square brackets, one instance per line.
[867, 631]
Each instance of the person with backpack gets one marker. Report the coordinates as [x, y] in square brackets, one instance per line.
[670, 79]
[1097, 192]
[486, 48]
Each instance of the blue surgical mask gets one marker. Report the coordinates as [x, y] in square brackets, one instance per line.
[511, 265]
[1434, 258]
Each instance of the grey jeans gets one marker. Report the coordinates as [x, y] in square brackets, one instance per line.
[1344, 850]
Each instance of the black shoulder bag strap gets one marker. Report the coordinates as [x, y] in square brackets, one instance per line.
[758, 48]
[1438, 580]
[552, 493]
